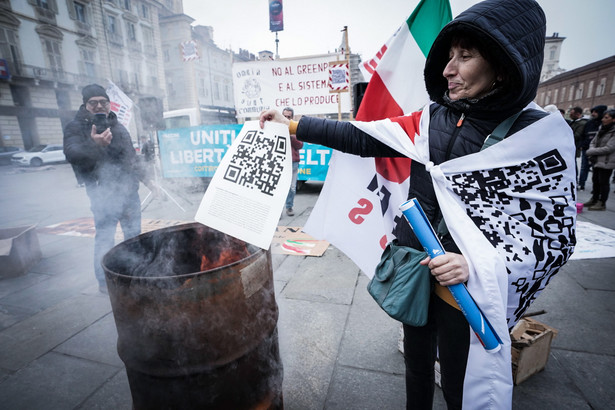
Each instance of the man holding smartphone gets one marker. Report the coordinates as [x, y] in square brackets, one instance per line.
[101, 152]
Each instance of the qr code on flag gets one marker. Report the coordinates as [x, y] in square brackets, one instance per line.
[257, 163]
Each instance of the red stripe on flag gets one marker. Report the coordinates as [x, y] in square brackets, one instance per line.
[377, 103]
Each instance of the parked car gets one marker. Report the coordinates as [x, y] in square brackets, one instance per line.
[6, 153]
[39, 155]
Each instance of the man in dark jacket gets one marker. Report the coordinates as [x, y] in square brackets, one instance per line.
[577, 123]
[101, 152]
[590, 130]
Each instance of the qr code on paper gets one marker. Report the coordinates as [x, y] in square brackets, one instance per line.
[257, 163]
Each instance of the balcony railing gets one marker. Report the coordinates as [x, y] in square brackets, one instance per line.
[135, 46]
[49, 74]
[115, 39]
[46, 16]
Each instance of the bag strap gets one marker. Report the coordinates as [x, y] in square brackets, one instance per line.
[499, 133]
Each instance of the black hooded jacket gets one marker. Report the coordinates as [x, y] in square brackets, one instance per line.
[514, 33]
[114, 167]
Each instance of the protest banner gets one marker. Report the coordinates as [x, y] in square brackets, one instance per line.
[301, 83]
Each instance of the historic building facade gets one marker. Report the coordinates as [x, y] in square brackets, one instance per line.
[586, 87]
[50, 49]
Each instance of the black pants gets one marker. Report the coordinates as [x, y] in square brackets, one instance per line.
[601, 184]
[447, 335]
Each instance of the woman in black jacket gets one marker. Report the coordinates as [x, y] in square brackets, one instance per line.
[483, 68]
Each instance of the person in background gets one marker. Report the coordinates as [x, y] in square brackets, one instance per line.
[552, 108]
[563, 112]
[577, 123]
[591, 127]
[295, 146]
[147, 150]
[102, 155]
[600, 154]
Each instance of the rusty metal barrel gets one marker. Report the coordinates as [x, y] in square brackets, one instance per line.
[196, 318]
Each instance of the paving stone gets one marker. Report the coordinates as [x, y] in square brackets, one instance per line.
[8, 286]
[309, 337]
[361, 390]
[114, 394]
[551, 388]
[330, 278]
[25, 341]
[9, 315]
[97, 342]
[53, 381]
[54, 290]
[592, 374]
[368, 326]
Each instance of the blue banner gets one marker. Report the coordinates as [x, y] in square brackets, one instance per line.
[195, 151]
[314, 162]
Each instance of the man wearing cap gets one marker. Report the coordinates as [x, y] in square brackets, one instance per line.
[101, 152]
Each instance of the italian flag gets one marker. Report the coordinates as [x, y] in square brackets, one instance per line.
[358, 205]
[396, 86]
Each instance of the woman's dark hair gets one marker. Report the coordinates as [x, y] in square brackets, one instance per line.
[610, 112]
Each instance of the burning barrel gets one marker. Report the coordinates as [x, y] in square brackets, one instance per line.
[196, 318]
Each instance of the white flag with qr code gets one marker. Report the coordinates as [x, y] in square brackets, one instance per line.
[247, 193]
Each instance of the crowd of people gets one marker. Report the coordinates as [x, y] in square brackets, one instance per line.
[593, 138]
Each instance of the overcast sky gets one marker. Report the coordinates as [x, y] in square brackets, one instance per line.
[313, 26]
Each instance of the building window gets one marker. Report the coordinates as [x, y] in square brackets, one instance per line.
[132, 34]
[148, 40]
[88, 62]
[80, 12]
[166, 55]
[153, 75]
[111, 25]
[145, 11]
[9, 49]
[579, 93]
[54, 55]
[216, 91]
[44, 4]
[601, 87]
[571, 93]
[563, 94]
[548, 99]
[613, 85]
[555, 95]
[126, 4]
[590, 87]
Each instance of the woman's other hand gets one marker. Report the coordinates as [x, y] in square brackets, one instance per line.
[448, 269]
[273, 115]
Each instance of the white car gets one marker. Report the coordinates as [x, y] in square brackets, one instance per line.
[39, 155]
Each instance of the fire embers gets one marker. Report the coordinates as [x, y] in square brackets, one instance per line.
[223, 254]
